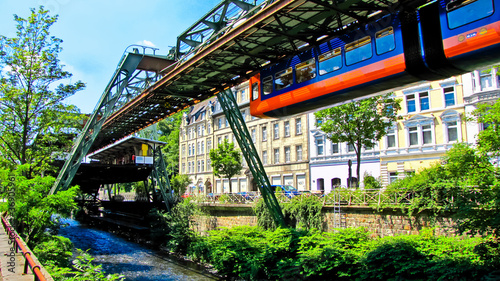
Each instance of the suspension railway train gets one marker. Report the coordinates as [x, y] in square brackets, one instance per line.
[439, 40]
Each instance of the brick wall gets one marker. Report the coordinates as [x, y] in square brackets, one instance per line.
[387, 222]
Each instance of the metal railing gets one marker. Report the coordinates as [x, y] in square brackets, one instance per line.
[29, 262]
[342, 197]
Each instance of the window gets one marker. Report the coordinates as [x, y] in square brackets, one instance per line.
[255, 91]
[194, 149]
[462, 12]
[276, 131]
[452, 130]
[391, 138]
[358, 51]
[283, 79]
[209, 165]
[298, 150]
[330, 61]
[413, 132]
[424, 101]
[264, 133]
[485, 78]
[298, 126]
[264, 157]
[287, 154]
[183, 150]
[183, 168]
[244, 115]
[254, 134]
[219, 123]
[209, 145]
[267, 85]
[219, 140]
[202, 165]
[287, 128]
[189, 167]
[198, 166]
[335, 148]
[227, 123]
[243, 96]
[449, 96]
[209, 128]
[384, 41]
[202, 147]
[426, 134]
[410, 103]
[305, 71]
[276, 155]
[393, 176]
[350, 147]
[319, 146]
[199, 148]
[199, 131]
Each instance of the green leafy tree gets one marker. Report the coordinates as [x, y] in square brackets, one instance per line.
[226, 161]
[361, 123]
[179, 183]
[170, 130]
[489, 139]
[32, 113]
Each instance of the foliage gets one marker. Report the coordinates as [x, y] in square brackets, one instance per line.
[55, 251]
[465, 183]
[173, 230]
[34, 118]
[302, 212]
[371, 182]
[34, 208]
[226, 161]
[170, 129]
[251, 253]
[489, 139]
[179, 183]
[361, 123]
[84, 270]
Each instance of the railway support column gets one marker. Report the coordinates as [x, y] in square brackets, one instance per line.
[159, 176]
[235, 119]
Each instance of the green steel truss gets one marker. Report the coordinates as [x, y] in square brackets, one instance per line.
[126, 80]
[159, 176]
[235, 119]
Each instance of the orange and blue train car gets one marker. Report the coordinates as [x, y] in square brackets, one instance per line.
[389, 53]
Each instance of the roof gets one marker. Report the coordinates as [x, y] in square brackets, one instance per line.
[123, 145]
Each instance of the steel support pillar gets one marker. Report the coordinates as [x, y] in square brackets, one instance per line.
[102, 111]
[159, 176]
[235, 119]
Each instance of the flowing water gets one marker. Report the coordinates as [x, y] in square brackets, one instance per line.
[134, 261]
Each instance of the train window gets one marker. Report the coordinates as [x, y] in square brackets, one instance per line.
[305, 71]
[255, 91]
[384, 41]
[359, 50]
[267, 85]
[330, 61]
[462, 12]
[283, 79]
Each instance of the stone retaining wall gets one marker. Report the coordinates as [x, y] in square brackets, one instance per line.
[386, 222]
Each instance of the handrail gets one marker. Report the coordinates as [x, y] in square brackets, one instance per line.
[35, 268]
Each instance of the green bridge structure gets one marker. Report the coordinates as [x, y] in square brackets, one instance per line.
[227, 46]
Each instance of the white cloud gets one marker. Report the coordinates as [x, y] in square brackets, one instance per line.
[146, 43]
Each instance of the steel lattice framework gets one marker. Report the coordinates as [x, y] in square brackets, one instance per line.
[234, 41]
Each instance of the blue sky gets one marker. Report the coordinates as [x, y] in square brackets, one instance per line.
[95, 33]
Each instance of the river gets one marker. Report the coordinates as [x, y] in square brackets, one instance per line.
[134, 261]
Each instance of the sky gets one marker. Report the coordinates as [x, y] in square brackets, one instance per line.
[95, 33]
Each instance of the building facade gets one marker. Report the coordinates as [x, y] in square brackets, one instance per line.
[282, 145]
[432, 121]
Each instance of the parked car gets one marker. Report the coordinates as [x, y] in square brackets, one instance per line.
[288, 190]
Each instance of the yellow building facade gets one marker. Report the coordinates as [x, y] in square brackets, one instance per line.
[432, 121]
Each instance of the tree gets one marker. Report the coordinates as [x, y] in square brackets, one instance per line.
[226, 161]
[33, 116]
[361, 123]
[170, 130]
[489, 139]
